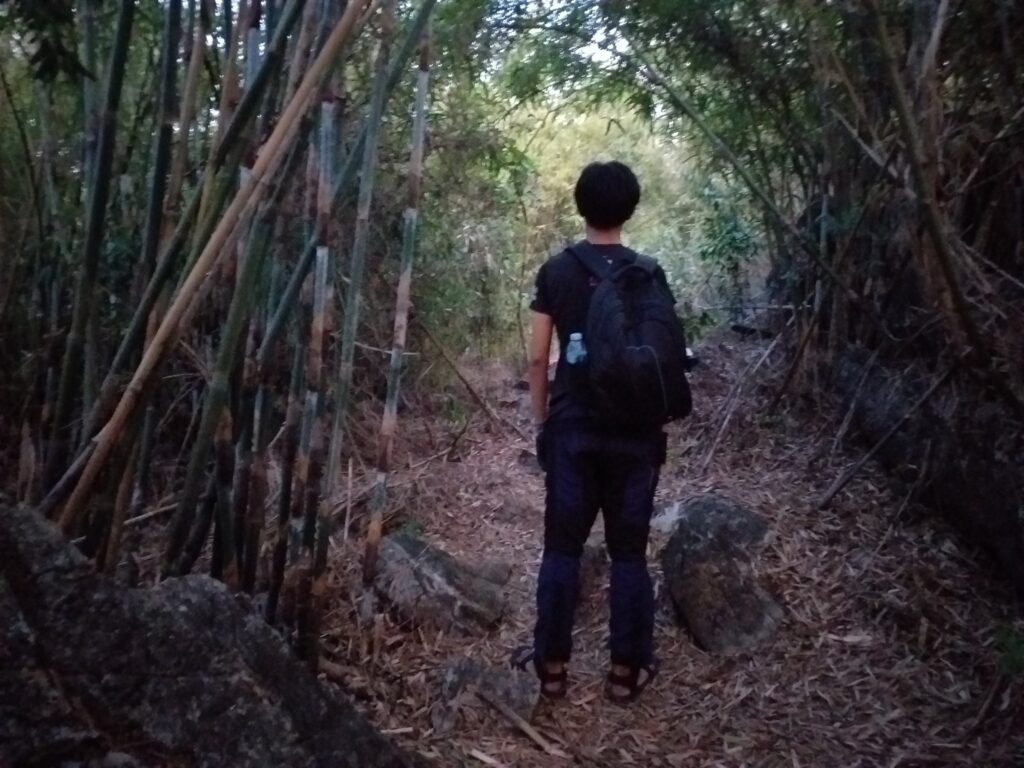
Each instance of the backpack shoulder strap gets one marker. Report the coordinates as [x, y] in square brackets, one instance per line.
[646, 263]
[591, 260]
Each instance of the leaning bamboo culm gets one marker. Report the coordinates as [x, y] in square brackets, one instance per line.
[268, 162]
[227, 158]
[216, 401]
[389, 420]
[217, 396]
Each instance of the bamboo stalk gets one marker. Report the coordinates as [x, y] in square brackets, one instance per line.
[201, 530]
[389, 419]
[267, 163]
[90, 97]
[70, 379]
[225, 564]
[255, 517]
[289, 451]
[229, 99]
[203, 11]
[360, 238]
[344, 178]
[162, 142]
[322, 305]
[933, 218]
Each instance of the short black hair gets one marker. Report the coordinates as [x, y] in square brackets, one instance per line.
[607, 194]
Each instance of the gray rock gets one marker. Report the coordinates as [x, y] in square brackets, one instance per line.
[181, 674]
[710, 579]
[460, 679]
[427, 586]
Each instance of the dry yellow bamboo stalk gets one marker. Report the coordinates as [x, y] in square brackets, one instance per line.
[268, 160]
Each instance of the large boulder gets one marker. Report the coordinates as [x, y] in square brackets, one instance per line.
[92, 674]
[710, 578]
[429, 587]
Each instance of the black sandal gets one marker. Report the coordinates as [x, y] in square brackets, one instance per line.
[553, 685]
[631, 681]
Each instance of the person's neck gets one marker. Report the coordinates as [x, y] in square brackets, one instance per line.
[604, 236]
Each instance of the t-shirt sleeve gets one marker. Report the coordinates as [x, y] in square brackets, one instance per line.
[542, 300]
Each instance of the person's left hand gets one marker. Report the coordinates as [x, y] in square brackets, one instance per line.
[540, 445]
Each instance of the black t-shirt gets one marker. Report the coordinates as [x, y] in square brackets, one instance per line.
[563, 290]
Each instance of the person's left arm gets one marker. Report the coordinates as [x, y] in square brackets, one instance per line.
[541, 326]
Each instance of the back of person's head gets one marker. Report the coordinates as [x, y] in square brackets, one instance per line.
[607, 194]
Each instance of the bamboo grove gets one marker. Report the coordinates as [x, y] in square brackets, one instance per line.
[256, 148]
[213, 171]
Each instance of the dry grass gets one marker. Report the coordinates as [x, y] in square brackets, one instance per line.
[887, 656]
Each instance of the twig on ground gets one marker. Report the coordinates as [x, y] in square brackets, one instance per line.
[733, 399]
[472, 391]
[839, 484]
[848, 418]
[521, 724]
[485, 758]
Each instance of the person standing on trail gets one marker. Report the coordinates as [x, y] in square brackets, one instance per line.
[620, 377]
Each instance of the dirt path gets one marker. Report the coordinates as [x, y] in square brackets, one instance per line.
[888, 656]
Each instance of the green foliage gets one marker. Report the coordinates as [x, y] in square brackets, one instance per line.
[47, 29]
[727, 245]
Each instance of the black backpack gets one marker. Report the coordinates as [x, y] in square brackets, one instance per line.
[636, 346]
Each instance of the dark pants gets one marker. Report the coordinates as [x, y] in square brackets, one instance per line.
[589, 470]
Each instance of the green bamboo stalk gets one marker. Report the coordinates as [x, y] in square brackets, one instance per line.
[389, 420]
[70, 380]
[224, 565]
[312, 428]
[360, 239]
[162, 141]
[290, 443]
[201, 530]
[249, 493]
[249, 279]
[314, 523]
[90, 97]
[322, 304]
[229, 97]
[152, 231]
[255, 516]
